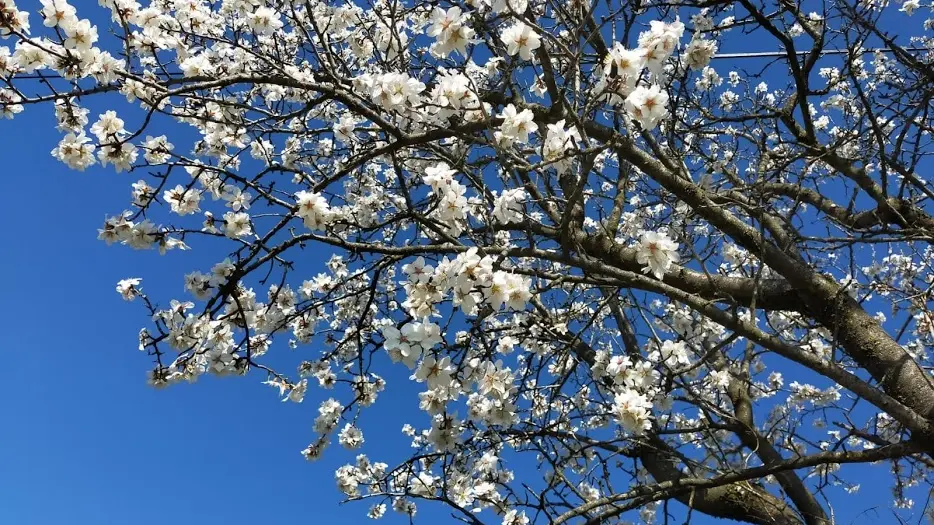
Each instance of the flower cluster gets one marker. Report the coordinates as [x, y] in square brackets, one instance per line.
[516, 127]
[408, 344]
[508, 206]
[657, 253]
[558, 142]
[313, 209]
[142, 235]
[521, 40]
[622, 71]
[395, 91]
[451, 210]
[451, 30]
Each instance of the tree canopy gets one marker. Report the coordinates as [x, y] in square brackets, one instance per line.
[665, 251]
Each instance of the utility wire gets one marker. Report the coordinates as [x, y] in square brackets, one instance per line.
[765, 54]
[719, 56]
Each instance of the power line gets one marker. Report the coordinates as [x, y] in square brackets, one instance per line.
[718, 56]
[766, 54]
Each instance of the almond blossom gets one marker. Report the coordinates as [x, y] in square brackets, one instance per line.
[657, 253]
[521, 40]
[517, 125]
[647, 106]
[313, 209]
[451, 31]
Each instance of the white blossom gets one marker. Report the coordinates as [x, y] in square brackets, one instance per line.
[656, 252]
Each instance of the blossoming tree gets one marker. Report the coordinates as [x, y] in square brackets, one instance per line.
[661, 274]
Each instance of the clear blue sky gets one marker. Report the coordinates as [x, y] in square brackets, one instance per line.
[85, 441]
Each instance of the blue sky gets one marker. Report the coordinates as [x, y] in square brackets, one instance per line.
[87, 442]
